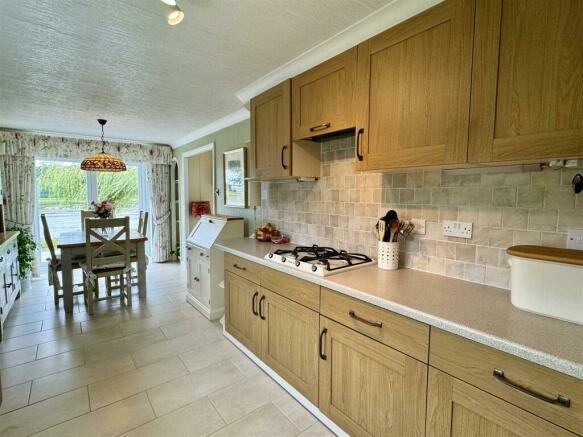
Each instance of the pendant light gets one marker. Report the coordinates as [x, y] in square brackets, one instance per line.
[103, 161]
[174, 14]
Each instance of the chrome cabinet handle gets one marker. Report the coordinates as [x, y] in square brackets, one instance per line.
[239, 267]
[358, 145]
[253, 302]
[561, 400]
[282, 156]
[320, 127]
[261, 314]
[368, 322]
[321, 345]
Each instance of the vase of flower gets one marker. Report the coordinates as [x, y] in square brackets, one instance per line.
[103, 209]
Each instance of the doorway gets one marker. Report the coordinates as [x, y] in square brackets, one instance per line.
[198, 174]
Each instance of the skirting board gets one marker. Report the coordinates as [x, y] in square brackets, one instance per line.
[287, 387]
[211, 315]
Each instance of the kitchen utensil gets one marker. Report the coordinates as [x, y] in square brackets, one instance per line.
[394, 230]
[381, 230]
[405, 231]
[390, 216]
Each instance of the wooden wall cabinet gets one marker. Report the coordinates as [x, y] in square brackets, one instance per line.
[368, 388]
[527, 87]
[322, 97]
[271, 132]
[412, 95]
[457, 409]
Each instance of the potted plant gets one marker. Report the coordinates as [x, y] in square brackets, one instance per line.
[26, 248]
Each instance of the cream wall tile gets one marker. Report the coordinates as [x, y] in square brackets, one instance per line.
[542, 219]
[559, 197]
[515, 218]
[531, 196]
[487, 255]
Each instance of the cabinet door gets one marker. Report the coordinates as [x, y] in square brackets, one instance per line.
[271, 132]
[289, 334]
[527, 92]
[194, 276]
[370, 389]
[322, 97]
[457, 409]
[205, 282]
[412, 94]
[241, 316]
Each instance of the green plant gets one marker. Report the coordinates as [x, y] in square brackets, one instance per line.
[26, 248]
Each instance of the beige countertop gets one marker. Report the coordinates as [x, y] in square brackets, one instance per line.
[478, 312]
[5, 236]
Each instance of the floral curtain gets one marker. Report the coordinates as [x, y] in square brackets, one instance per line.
[19, 192]
[45, 146]
[159, 180]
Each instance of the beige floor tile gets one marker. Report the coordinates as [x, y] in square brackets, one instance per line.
[295, 412]
[214, 332]
[19, 356]
[129, 383]
[15, 397]
[37, 417]
[196, 419]
[166, 308]
[317, 430]
[185, 326]
[265, 421]
[108, 421]
[245, 365]
[208, 354]
[182, 391]
[68, 380]
[133, 326]
[123, 345]
[33, 339]
[237, 400]
[163, 349]
[29, 308]
[18, 330]
[39, 368]
[77, 342]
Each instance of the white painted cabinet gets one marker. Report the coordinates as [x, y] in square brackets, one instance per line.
[205, 263]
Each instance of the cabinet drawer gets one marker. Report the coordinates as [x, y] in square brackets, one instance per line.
[475, 364]
[298, 290]
[247, 269]
[399, 332]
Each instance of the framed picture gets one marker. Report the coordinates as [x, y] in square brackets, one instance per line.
[235, 163]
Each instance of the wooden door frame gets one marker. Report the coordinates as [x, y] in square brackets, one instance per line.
[184, 192]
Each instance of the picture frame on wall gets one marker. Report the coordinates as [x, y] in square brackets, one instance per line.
[235, 186]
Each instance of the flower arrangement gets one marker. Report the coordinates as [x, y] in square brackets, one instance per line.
[103, 209]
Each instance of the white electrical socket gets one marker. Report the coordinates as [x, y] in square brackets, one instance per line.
[419, 226]
[575, 239]
[457, 229]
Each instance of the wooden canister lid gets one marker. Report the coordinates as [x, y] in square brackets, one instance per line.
[554, 254]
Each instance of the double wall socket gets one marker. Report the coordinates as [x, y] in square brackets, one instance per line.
[575, 239]
[457, 229]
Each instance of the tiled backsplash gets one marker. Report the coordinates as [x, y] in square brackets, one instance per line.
[341, 208]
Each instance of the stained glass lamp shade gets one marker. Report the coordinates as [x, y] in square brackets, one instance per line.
[102, 161]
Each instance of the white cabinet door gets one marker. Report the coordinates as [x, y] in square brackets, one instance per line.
[205, 283]
[194, 277]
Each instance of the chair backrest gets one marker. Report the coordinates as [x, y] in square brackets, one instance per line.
[143, 222]
[48, 238]
[85, 215]
[110, 249]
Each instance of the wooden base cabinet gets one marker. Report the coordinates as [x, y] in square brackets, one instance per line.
[457, 409]
[241, 311]
[289, 333]
[367, 388]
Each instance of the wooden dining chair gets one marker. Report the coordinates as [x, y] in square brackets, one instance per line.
[107, 256]
[143, 222]
[54, 263]
[86, 214]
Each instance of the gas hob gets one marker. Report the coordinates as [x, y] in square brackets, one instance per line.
[320, 261]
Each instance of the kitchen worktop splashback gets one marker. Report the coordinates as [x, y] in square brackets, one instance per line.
[341, 208]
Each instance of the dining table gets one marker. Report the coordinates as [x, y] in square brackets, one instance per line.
[72, 247]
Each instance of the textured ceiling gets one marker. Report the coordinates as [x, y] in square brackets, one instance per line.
[64, 63]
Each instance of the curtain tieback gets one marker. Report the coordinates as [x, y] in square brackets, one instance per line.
[159, 220]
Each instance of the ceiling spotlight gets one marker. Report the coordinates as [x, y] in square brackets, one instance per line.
[174, 15]
[170, 2]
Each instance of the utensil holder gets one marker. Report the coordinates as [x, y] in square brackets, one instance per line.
[388, 255]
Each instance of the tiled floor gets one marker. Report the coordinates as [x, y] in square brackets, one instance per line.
[156, 369]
